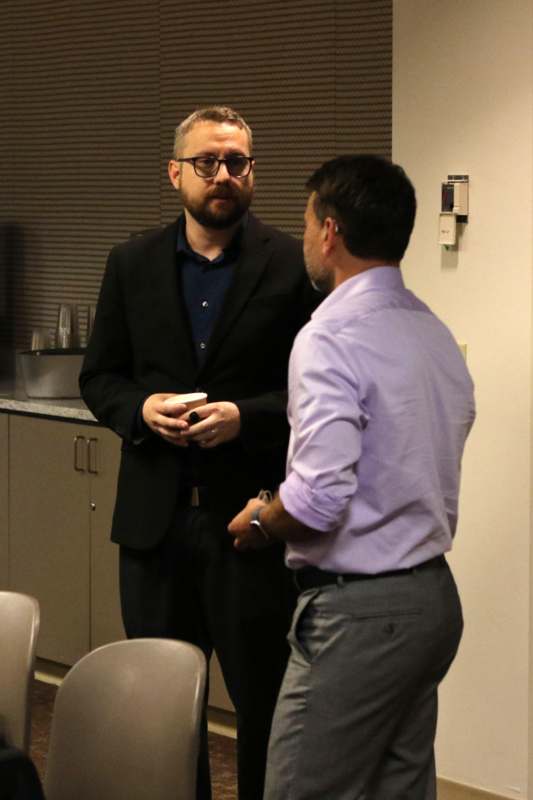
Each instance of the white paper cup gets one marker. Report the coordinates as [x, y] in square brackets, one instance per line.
[191, 400]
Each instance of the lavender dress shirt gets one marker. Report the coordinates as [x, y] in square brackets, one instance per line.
[380, 405]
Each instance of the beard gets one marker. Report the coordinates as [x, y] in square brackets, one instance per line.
[321, 279]
[206, 212]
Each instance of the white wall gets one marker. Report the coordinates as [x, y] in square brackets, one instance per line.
[463, 85]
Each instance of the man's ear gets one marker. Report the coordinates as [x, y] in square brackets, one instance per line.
[330, 231]
[174, 173]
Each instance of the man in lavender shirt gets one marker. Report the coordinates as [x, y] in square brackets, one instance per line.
[380, 405]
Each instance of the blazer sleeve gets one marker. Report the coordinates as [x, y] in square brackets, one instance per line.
[105, 379]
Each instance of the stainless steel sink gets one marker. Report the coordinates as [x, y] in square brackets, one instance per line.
[51, 373]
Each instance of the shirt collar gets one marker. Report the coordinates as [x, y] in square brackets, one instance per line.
[374, 278]
[230, 253]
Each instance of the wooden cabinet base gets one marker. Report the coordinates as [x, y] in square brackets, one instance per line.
[60, 509]
[62, 483]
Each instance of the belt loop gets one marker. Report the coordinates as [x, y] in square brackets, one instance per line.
[195, 497]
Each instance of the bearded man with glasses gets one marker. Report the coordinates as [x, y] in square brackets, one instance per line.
[211, 303]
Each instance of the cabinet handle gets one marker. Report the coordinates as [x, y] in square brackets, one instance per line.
[92, 452]
[79, 464]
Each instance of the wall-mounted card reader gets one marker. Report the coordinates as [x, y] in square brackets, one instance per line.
[454, 208]
[447, 229]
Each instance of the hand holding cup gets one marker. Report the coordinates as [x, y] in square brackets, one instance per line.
[163, 413]
[212, 424]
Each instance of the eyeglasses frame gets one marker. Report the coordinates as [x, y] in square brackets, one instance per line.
[192, 160]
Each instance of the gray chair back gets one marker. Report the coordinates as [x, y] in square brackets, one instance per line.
[19, 627]
[126, 723]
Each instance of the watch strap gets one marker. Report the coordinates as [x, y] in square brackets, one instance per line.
[256, 522]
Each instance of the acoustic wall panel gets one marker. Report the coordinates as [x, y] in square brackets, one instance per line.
[92, 93]
[84, 154]
[312, 77]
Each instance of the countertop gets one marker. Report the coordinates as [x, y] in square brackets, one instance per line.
[18, 402]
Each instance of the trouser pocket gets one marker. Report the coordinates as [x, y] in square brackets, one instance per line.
[295, 637]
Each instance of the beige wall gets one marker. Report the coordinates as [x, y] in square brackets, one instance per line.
[463, 104]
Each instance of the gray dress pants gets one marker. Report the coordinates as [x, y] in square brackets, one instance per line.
[357, 712]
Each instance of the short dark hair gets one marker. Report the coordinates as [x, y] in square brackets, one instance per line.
[219, 114]
[372, 200]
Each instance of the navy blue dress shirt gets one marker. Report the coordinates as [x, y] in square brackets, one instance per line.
[204, 284]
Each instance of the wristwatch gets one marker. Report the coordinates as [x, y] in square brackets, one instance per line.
[255, 522]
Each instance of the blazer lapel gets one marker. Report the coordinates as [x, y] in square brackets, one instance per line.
[169, 305]
[255, 256]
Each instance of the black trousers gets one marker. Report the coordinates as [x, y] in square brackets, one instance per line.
[196, 587]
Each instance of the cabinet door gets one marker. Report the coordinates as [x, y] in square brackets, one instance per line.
[4, 423]
[103, 463]
[49, 532]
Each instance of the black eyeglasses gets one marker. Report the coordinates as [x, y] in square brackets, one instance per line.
[208, 166]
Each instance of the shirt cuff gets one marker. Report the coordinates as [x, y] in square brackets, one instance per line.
[320, 512]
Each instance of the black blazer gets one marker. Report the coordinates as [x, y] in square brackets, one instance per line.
[142, 344]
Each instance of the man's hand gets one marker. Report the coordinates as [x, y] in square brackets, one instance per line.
[278, 523]
[248, 537]
[218, 423]
[165, 419]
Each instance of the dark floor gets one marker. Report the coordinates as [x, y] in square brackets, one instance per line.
[222, 749]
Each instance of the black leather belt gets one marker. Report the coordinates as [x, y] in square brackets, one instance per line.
[312, 577]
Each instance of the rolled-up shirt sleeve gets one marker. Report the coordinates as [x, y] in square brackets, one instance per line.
[327, 416]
